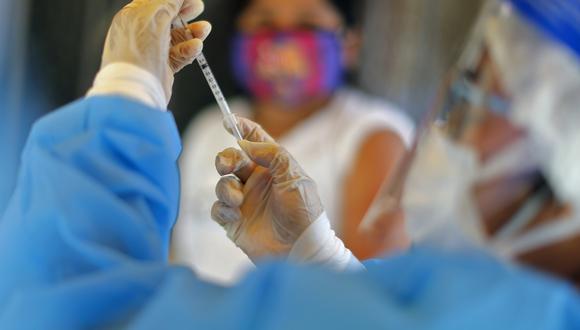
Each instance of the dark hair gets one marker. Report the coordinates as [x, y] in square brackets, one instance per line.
[346, 8]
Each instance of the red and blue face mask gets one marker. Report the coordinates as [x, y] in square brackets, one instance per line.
[288, 68]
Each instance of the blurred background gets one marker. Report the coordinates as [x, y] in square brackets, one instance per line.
[53, 53]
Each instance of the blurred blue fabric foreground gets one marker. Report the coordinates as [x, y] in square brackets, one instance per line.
[84, 244]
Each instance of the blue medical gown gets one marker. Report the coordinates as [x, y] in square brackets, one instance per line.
[84, 244]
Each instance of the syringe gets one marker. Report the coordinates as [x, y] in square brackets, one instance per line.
[228, 117]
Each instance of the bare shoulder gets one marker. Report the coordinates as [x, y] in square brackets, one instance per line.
[375, 114]
[378, 151]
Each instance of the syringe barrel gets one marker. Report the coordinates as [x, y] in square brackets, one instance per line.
[228, 117]
[208, 74]
[232, 123]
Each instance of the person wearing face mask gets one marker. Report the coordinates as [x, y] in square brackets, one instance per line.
[291, 57]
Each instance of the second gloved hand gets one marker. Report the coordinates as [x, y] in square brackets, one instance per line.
[265, 200]
[141, 34]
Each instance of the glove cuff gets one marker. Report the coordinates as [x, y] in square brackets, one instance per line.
[131, 81]
[319, 245]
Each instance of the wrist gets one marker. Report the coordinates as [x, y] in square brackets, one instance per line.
[319, 245]
[130, 81]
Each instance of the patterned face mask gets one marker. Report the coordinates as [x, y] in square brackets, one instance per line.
[288, 68]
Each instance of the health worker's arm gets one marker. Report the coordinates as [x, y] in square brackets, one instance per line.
[98, 185]
[97, 191]
[270, 207]
[94, 172]
[99, 182]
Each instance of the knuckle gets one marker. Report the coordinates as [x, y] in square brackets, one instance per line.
[223, 214]
[228, 190]
[282, 158]
[217, 209]
[127, 16]
[226, 161]
[221, 188]
[280, 151]
[215, 213]
[162, 15]
[255, 132]
[230, 151]
[121, 15]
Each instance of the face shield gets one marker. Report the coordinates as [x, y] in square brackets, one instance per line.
[495, 163]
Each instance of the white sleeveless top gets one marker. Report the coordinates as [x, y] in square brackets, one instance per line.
[326, 144]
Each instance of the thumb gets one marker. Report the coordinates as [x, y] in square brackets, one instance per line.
[282, 167]
[184, 54]
[191, 9]
[251, 131]
[172, 7]
[263, 153]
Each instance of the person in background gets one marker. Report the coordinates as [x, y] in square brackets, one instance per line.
[291, 57]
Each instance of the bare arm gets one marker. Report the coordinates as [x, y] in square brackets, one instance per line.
[376, 161]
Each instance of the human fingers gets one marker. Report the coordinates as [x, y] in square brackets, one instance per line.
[191, 9]
[234, 161]
[229, 190]
[184, 54]
[282, 166]
[225, 215]
[199, 30]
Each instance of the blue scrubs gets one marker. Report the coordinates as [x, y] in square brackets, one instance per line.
[84, 244]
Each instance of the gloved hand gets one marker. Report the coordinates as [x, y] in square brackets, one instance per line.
[268, 202]
[141, 34]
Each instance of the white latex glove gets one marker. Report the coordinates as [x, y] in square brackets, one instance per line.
[141, 34]
[270, 207]
[270, 201]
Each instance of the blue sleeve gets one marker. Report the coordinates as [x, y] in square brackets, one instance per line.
[83, 244]
[98, 188]
[110, 162]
